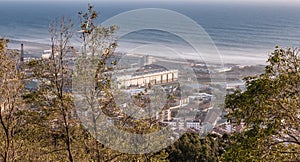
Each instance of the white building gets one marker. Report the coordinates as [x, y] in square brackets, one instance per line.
[184, 124]
[151, 74]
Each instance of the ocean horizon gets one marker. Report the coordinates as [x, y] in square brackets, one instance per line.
[243, 34]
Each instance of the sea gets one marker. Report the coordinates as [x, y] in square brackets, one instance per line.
[241, 33]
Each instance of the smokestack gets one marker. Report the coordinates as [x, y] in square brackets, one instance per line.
[22, 54]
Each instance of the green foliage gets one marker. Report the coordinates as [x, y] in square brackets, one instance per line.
[269, 110]
[191, 147]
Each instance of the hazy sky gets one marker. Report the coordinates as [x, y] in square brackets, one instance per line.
[218, 1]
[199, 1]
[226, 1]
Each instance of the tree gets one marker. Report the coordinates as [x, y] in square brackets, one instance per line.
[269, 110]
[11, 86]
[93, 67]
[87, 25]
[94, 79]
[62, 76]
[191, 147]
[54, 77]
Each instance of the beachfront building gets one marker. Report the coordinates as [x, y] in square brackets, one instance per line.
[148, 75]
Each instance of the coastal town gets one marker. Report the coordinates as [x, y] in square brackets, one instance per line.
[184, 105]
[152, 81]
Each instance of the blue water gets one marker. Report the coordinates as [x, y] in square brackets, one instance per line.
[242, 33]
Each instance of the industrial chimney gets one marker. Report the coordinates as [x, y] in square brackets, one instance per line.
[22, 54]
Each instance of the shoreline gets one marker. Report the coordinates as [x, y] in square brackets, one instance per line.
[36, 49]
